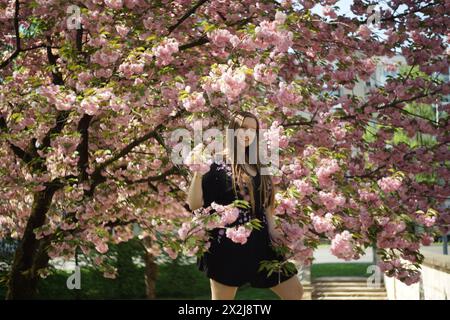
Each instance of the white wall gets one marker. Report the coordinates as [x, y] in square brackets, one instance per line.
[434, 285]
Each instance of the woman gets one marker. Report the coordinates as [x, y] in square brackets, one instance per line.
[229, 265]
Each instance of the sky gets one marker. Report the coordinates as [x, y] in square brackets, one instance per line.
[344, 6]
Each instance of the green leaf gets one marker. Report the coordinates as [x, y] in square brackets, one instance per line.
[241, 204]
[16, 117]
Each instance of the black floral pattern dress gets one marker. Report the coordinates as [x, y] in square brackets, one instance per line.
[231, 263]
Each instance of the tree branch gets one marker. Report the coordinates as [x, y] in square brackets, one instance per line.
[17, 32]
[57, 76]
[159, 177]
[97, 177]
[198, 42]
[20, 153]
[83, 147]
[186, 15]
[403, 14]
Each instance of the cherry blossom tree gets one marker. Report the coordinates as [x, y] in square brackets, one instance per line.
[92, 90]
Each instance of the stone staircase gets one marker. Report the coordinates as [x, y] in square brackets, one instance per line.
[345, 288]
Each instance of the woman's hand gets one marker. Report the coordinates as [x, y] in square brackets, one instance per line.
[197, 164]
[197, 160]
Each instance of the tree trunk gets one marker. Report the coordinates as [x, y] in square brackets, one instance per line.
[151, 271]
[125, 269]
[31, 254]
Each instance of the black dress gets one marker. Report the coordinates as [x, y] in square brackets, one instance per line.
[231, 263]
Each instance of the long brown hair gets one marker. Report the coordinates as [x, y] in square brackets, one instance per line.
[239, 174]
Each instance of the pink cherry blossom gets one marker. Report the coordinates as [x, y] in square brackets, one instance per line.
[328, 11]
[275, 136]
[172, 253]
[114, 4]
[101, 247]
[287, 96]
[331, 200]
[326, 169]
[342, 245]
[364, 31]
[197, 160]
[195, 102]
[220, 37]
[323, 224]
[164, 52]
[228, 214]
[122, 30]
[426, 240]
[232, 83]
[264, 74]
[184, 230]
[389, 184]
[303, 187]
[87, 119]
[239, 234]
[90, 105]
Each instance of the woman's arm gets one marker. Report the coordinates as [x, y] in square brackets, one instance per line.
[271, 212]
[195, 194]
[275, 234]
[270, 218]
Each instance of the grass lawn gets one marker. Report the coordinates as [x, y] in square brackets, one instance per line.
[354, 269]
[186, 282]
[174, 282]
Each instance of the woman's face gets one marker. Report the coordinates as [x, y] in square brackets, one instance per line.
[246, 134]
